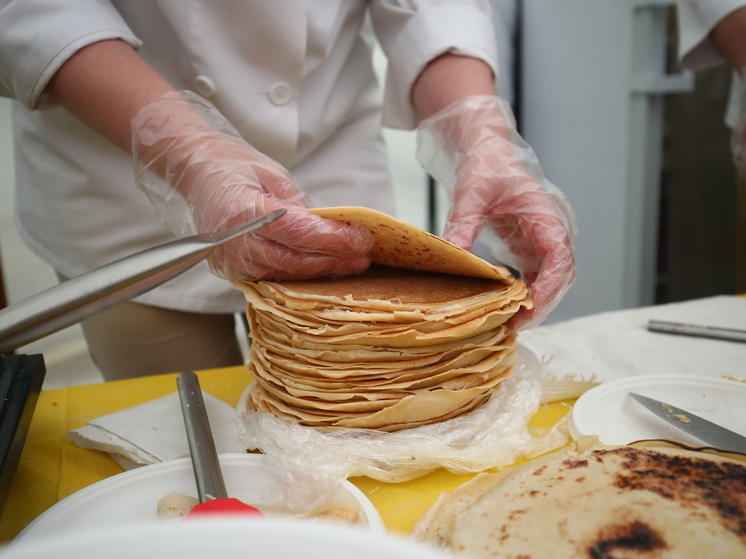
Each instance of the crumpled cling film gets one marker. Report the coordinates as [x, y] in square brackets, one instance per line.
[307, 463]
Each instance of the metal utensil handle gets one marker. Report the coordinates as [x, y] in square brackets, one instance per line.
[207, 473]
[122, 280]
[697, 330]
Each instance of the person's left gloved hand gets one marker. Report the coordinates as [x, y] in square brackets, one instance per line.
[499, 184]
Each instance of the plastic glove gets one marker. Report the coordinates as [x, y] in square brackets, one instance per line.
[495, 178]
[201, 176]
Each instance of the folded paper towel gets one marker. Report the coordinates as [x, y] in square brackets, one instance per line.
[154, 431]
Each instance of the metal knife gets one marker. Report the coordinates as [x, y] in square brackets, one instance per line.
[706, 431]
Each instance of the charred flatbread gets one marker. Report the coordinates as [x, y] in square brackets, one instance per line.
[650, 499]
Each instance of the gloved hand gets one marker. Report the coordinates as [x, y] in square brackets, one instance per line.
[497, 181]
[201, 176]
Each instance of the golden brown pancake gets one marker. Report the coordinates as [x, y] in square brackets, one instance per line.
[402, 245]
[390, 348]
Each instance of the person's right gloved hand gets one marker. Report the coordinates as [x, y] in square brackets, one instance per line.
[497, 186]
[201, 177]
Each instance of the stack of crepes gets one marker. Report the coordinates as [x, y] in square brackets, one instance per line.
[418, 338]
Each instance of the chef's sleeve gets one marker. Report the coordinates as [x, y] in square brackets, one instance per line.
[38, 36]
[696, 19]
[414, 32]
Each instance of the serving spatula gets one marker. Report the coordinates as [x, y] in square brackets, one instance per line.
[213, 497]
[100, 289]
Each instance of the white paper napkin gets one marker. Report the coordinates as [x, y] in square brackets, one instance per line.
[613, 345]
[154, 431]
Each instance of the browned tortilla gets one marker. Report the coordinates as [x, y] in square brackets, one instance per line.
[590, 500]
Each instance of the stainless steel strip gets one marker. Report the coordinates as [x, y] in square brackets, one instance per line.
[122, 280]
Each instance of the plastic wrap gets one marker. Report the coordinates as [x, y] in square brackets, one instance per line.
[307, 461]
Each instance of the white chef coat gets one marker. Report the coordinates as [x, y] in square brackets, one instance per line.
[696, 19]
[294, 77]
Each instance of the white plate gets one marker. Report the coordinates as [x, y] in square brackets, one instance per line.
[132, 496]
[609, 412]
[230, 539]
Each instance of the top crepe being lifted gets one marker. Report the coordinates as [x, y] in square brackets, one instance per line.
[401, 245]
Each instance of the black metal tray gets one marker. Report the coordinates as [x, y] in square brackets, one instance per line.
[21, 377]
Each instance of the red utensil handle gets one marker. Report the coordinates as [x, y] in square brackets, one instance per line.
[224, 506]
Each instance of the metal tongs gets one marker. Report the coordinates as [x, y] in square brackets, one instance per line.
[70, 302]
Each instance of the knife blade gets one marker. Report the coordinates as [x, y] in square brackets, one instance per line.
[706, 431]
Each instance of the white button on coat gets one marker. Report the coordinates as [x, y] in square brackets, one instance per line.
[280, 93]
[204, 86]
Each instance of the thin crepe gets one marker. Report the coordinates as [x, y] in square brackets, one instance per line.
[419, 337]
[402, 245]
